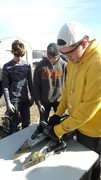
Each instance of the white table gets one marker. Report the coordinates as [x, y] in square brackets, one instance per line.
[69, 165]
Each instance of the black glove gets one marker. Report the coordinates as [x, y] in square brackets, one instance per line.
[54, 120]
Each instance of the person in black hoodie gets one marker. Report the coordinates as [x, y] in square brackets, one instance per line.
[48, 82]
[1, 91]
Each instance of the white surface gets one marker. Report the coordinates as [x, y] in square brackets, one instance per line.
[69, 165]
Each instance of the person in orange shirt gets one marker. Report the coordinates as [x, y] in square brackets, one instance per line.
[48, 82]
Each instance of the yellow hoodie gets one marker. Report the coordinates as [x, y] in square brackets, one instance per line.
[82, 95]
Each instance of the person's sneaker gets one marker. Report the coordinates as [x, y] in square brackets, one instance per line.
[38, 130]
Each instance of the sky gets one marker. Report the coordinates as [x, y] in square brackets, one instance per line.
[39, 21]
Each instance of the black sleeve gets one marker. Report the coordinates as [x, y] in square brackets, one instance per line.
[37, 84]
[1, 90]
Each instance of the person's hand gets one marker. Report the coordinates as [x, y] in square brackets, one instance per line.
[41, 108]
[54, 120]
[10, 107]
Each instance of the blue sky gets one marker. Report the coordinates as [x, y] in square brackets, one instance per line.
[39, 21]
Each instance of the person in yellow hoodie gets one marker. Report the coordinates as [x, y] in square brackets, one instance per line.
[81, 94]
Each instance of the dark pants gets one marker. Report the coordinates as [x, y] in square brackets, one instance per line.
[1, 90]
[44, 116]
[95, 145]
[24, 110]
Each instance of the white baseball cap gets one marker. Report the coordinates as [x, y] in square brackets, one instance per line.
[70, 33]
